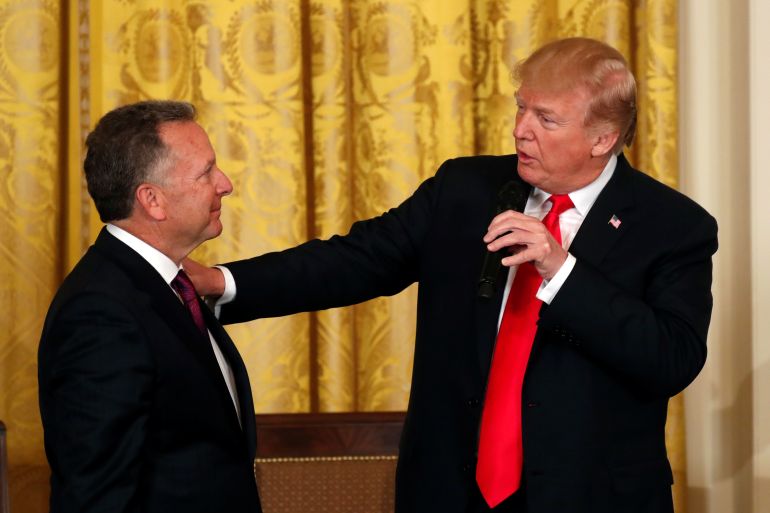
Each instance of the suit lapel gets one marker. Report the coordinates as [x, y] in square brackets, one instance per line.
[600, 229]
[487, 316]
[161, 299]
[240, 375]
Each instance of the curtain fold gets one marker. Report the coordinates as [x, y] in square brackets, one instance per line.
[322, 112]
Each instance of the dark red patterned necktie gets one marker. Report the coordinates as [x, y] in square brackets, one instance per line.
[500, 457]
[186, 290]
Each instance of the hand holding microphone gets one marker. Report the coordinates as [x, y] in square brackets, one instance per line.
[512, 196]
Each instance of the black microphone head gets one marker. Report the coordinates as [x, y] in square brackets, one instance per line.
[512, 196]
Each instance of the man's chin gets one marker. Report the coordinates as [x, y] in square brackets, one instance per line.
[214, 230]
[528, 173]
[524, 168]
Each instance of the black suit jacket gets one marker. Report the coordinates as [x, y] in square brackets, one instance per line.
[626, 331]
[136, 413]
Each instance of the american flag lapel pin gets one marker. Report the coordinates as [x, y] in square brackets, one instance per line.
[614, 221]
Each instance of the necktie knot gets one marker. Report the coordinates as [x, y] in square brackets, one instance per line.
[184, 287]
[561, 203]
[186, 290]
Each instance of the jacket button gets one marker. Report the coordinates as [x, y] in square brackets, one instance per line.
[533, 404]
[473, 402]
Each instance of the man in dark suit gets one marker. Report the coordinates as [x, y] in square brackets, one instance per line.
[145, 401]
[550, 396]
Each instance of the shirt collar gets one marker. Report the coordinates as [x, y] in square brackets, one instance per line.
[160, 262]
[584, 198]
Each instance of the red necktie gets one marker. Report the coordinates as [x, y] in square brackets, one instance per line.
[500, 457]
[186, 290]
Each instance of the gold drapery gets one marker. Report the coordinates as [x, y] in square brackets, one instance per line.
[321, 112]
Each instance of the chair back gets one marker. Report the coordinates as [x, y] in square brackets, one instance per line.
[327, 462]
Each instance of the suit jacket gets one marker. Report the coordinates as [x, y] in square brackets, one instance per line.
[626, 331]
[136, 414]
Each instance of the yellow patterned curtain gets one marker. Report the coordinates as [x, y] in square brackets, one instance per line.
[321, 112]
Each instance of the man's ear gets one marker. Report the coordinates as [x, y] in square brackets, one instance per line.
[151, 200]
[604, 142]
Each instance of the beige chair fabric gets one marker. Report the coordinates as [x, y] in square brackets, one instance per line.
[356, 484]
[327, 463]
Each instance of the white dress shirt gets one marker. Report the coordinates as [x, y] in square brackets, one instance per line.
[168, 271]
[569, 224]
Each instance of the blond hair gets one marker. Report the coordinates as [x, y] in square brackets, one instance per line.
[579, 62]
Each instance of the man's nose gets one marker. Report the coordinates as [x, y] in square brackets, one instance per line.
[521, 127]
[225, 186]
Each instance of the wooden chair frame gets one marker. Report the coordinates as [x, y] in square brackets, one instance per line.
[328, 434]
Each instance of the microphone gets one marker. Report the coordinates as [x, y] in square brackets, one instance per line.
[512, 196]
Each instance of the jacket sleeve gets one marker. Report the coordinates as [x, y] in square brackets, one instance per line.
[96, 380]
[377, 257]
[655, 341]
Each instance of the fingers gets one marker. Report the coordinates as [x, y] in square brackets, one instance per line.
[526, 253]
[527, 240]
[514, 228]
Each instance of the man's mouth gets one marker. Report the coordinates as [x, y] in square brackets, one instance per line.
[524, 157]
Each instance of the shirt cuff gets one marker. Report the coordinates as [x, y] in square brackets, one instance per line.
[549, 288]
[229, 293]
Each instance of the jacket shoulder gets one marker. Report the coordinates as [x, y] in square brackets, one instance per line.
[662, 198]
[480, 164]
